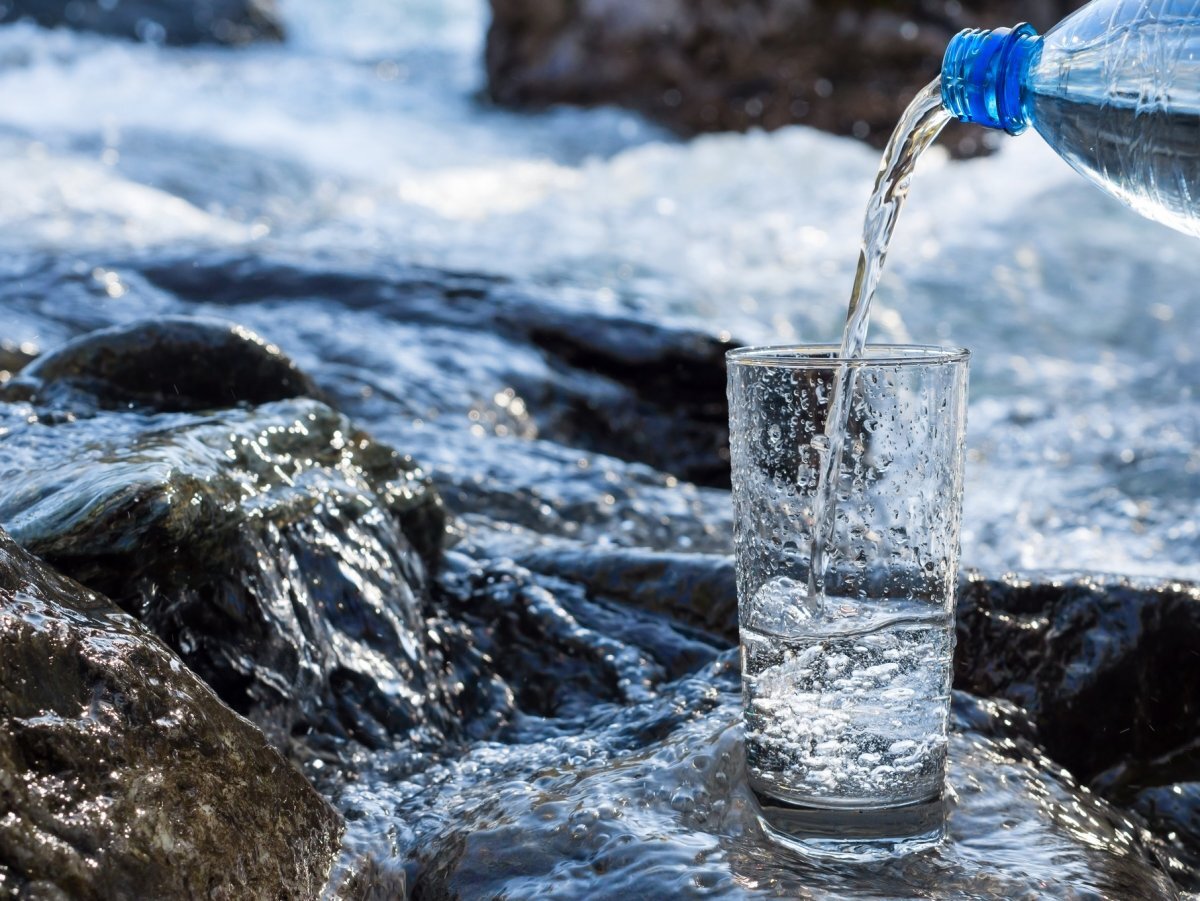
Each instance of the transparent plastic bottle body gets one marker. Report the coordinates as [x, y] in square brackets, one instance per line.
[1114, 89]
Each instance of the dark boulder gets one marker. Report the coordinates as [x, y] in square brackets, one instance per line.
[121, 773]
[169, 364]
[717, 65]
[14, 358]
[284, 554]
[1109, 673]
[1111, 658]
[614, 382]
[156, 21]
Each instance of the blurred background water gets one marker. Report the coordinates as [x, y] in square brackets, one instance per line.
[366, 138]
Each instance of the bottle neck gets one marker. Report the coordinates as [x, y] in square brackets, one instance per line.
[983, 73]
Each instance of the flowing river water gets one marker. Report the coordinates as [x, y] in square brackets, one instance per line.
[363, 139]
[538, 716]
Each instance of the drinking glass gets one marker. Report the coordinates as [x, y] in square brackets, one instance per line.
[846, 671]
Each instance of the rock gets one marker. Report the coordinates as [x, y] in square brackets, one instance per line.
[655, 805]
[1173, 810]
[1108, 671]
[121, 773]
[169, 364]
[13, 358]
[280, 551]
[698, 589]
[473, 354]
[716, 65]
[1087, 657]
[1112, 658]
[610, 382]
[156, 21]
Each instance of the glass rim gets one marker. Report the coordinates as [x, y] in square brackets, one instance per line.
[826, 356]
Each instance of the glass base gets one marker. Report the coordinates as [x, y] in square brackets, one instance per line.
[853, 833]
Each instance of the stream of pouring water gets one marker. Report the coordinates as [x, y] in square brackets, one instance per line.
[920, 125]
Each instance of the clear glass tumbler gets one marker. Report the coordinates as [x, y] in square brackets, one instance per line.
[846, 689]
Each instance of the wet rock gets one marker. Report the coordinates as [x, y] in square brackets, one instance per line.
[613, 382]
[559, 647]
[1088, 657]
[284, 554]
[156, 21]
[168, 364]
[1107, 669]
[472, 355]
[13, 358]
[643, 788]
[652, 802]
[1173, 811]
[535, 494]
[716, 65]
[1113, 658]
[122, 775]
[699, 589]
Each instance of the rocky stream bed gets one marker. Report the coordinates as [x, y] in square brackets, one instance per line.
[364, 515]
[457, 628]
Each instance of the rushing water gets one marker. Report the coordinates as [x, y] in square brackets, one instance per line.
[362, 140]
[594, 733]
[917, 129]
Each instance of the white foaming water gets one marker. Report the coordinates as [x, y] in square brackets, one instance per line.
[364, 137]
[852, 715]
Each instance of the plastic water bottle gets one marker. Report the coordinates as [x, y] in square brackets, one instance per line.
[1113, 88]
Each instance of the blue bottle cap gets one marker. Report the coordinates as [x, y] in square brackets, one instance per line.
[983, 73]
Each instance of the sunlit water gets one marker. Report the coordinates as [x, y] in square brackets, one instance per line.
[365, 138]
[363, 142]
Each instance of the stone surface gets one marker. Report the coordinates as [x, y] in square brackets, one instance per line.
[611, 381]
[1108, 656]
[13, 358]
[1112, 659]
[156, 21]
[121, 773]
[716, 65]
[1103, 657]
[669, 815]
[698, 589]
[280, 551]
[170, 364]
